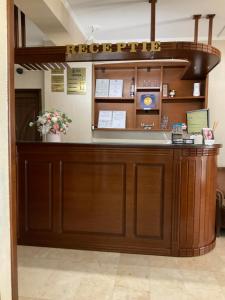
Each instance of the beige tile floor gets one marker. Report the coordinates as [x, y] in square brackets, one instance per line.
[60, 274]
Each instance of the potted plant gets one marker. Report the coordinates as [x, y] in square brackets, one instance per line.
[51, 124]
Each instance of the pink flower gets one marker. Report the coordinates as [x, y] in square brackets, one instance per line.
[56, 127]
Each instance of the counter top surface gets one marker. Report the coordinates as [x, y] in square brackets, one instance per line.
[122, 144]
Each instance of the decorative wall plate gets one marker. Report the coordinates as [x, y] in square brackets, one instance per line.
[148, 101]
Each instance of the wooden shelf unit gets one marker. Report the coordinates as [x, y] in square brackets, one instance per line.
[183, 98]
[148, 79]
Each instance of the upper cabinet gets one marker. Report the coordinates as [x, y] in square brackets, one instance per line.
[142, 92]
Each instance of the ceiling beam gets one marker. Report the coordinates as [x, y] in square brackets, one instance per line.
[196, 18]
[210, 17]
[54, 19]
[152, 22]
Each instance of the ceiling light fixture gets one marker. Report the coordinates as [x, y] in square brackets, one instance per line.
[93, 29]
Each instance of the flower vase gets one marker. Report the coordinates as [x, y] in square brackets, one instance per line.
[53, 137]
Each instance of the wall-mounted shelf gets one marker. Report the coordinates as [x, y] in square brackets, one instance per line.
[145, 88]
[184, 98]
[155, 110]
[147, 106]
[114, 100]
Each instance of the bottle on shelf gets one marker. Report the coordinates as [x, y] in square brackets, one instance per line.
[196, 89]
[164, 122]
[132, 88]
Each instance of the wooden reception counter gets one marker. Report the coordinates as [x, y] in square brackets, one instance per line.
[152, 199]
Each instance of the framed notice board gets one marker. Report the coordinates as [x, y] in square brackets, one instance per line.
[76, 81]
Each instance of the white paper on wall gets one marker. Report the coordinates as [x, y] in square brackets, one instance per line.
[116, 88]
[119, 119]
[112, 119]
[102, 88]
[105, 119]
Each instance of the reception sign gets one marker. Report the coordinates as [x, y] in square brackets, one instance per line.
[95, 48]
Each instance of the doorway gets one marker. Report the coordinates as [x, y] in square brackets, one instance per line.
[28, 106]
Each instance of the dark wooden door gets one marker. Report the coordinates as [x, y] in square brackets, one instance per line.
[28, 106]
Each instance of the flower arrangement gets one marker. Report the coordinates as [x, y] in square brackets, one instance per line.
[54, 122]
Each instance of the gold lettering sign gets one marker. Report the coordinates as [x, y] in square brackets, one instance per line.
[76, 81]
[121, 46]
[94, 48]
[83, 48]
[133, 47]
[106, 47]
[57, 80]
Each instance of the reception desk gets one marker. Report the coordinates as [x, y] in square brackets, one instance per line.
[151, 199]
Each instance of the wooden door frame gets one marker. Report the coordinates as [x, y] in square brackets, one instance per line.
[12, 148]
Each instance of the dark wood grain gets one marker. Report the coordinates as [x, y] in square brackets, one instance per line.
[210, 17]
[196, 202]
[23, 30]
[28, 107]
[94, 192]
[196, 18]
[202, 58]
[12, 149]
[150, 200]
[152, 21]
[16, 27]
[38, 195]
[128, 198]
[148, 79]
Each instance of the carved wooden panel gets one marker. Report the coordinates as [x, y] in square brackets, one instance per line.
[197, 204]
[93, 198]
[38, 195]
[149, 200]
[138, 199]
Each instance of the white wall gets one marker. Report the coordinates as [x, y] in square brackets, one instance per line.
[217, 100]
[5, 254]
[77, 107]
[30, 80]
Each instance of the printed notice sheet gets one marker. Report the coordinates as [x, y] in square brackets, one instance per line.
[105, 119]
[116, 88]
[112, 119]
[102, 88]
[119, 119]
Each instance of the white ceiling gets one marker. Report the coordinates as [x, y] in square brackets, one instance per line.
[35, 37]
[129, 20]
[124, 20]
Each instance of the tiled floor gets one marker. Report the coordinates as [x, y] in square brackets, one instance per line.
[60, 274]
